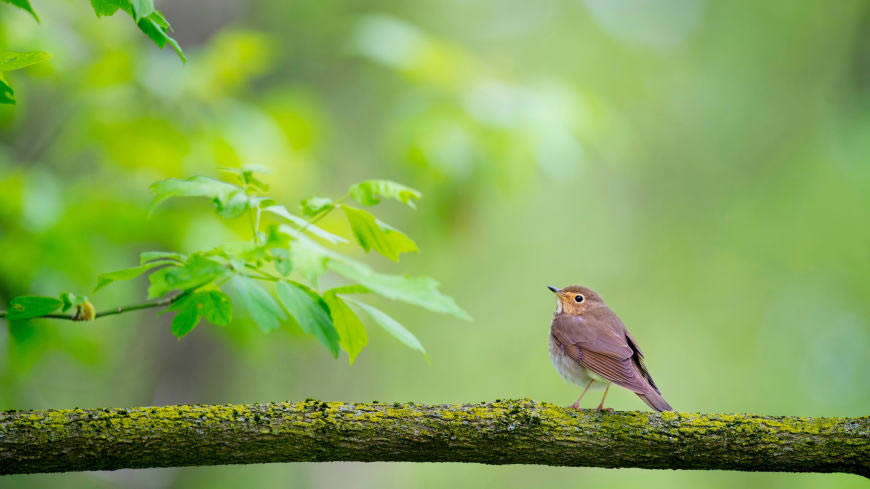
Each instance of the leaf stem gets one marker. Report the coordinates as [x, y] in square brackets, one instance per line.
[260, 277]
[322, 214]
[265, 275]
[254, 226]
[253, 215]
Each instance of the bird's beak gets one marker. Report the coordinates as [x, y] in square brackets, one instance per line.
[554, 289]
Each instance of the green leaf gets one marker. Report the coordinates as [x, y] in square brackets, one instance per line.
[31, 306]
[105, 8]
[234, 205]
[187, 318]
[371, 192]
[195, 186]
[246, 176]
[253, 182]
[259, 303]
[105, 279]
[252, 168]
[11, 60]
[275, 238]
[216, 307]
[254, 256]
[248, 169]
[147, 256]
[213, 305]
[160, 20]
[69, 300]
[198, 186]
[352, 336]
[238, 252]
[315, 205]
[308, 259]
[7, 95]
[283, 262]
[142, 8]
[350, 289]
[420, 291]
[197, 272]
[373, 234]
[152, 26]
[280, 210]
[310, 311]
[392, 326]
[24, 4]
[149, 20]
[256, 201]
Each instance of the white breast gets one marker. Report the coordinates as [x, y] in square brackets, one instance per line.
[572, 371]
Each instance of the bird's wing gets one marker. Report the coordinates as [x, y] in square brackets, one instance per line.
[631, 341]
[638, 360]
[603, 348]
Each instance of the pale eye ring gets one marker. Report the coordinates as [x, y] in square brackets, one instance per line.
[578, 298]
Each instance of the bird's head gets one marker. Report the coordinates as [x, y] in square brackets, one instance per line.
[575, 299]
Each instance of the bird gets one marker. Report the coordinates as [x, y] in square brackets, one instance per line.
[589, 344]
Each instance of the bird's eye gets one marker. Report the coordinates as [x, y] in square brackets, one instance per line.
[578, 298]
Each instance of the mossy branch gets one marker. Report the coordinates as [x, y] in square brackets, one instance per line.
[501, 432]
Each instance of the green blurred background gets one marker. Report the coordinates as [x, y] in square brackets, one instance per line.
[702, 165]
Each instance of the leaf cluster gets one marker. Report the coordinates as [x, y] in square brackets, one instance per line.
[274, 277]
[147, 18]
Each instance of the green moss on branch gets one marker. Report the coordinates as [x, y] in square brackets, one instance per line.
[501, 432]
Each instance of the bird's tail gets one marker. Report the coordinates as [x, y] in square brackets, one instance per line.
[655, 401]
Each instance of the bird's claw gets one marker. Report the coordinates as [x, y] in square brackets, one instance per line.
[607, 410]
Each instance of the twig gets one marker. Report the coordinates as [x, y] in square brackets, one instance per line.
[109, 312]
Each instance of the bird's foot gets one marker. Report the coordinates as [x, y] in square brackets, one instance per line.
[576, 407]
[602, 408]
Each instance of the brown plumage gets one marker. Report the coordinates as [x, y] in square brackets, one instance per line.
[589, 344]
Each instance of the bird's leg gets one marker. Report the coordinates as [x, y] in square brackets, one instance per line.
[601, 405]
[576, 405]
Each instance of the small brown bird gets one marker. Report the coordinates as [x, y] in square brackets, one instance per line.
[589, 344]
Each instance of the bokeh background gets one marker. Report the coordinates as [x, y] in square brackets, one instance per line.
[702, 165]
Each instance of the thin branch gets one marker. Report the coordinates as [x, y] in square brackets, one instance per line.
[110, 312]
[501, 432]
[136, 307]
[145, 305]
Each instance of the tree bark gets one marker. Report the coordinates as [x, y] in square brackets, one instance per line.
[501, 432]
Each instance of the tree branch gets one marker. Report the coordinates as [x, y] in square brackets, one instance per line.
[502, 432]
[135, 307]
[108, 312]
